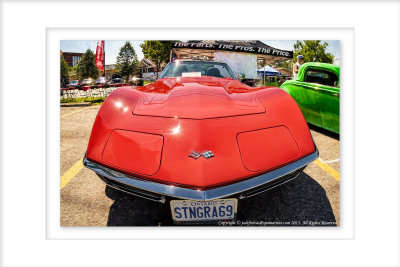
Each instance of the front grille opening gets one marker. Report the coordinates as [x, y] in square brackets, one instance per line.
[274, 183]
[163, 199]
[132, 190]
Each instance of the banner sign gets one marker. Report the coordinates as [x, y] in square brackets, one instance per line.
[234, 47]
[100, 55]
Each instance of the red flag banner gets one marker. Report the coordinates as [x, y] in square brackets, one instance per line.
[100, 55]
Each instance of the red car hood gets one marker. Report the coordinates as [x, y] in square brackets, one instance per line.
[197, 98]
[158, 148]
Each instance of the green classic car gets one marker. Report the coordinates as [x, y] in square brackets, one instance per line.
[317, 92]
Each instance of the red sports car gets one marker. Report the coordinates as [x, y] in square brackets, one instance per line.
[199, 139]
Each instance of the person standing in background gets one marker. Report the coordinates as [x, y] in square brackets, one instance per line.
[297, 66]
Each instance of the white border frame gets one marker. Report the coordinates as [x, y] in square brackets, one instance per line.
[346, 229]
[23, 138]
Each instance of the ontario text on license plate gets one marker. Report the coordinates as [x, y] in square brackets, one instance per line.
[210, 210]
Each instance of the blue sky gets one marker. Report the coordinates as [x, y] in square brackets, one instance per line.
[112, 47]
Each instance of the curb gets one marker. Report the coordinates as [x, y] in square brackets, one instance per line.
[82, 104]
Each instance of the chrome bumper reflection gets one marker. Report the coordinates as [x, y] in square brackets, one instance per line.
[186, 193]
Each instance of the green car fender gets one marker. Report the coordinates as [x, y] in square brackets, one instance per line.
[319, 103]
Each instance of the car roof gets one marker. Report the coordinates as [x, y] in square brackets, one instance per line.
[322, 65]
[319, 65]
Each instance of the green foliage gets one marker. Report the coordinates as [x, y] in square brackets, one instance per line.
[86, 67]
[64, 68]
[127, 60]
[313, 51]
[274, 84]
[284, 64]
[92, 100]
[157, 51]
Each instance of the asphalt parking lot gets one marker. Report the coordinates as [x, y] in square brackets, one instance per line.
[312, 199]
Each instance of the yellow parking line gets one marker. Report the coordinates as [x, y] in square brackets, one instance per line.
[328, 169]
[71, 173]
[74, 112]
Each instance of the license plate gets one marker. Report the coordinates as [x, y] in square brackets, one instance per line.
[210, 210]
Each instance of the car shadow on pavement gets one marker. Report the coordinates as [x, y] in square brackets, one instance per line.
[300, 202]
[129, 210]
[324, 131]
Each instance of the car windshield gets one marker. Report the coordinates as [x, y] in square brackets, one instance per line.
[74, 82]
[197, 69]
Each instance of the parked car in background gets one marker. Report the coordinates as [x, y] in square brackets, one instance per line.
[199, 140]
[317, 92]
[136, 81]
[101, 82]
[74, 84]
[117, 82]
[88, 81]
[86, 84]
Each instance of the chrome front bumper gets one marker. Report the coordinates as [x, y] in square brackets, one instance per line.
[157, 191]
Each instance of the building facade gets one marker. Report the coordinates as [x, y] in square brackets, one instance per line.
[111, 69]
[72, 58]
[148, 69]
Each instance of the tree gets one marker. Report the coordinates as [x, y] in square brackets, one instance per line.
[312, 51]
[127, 60]
[87, 66]
[64, 69]
[157, 51]
[284, 64]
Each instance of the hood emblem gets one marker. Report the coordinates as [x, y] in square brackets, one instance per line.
[196, 155]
